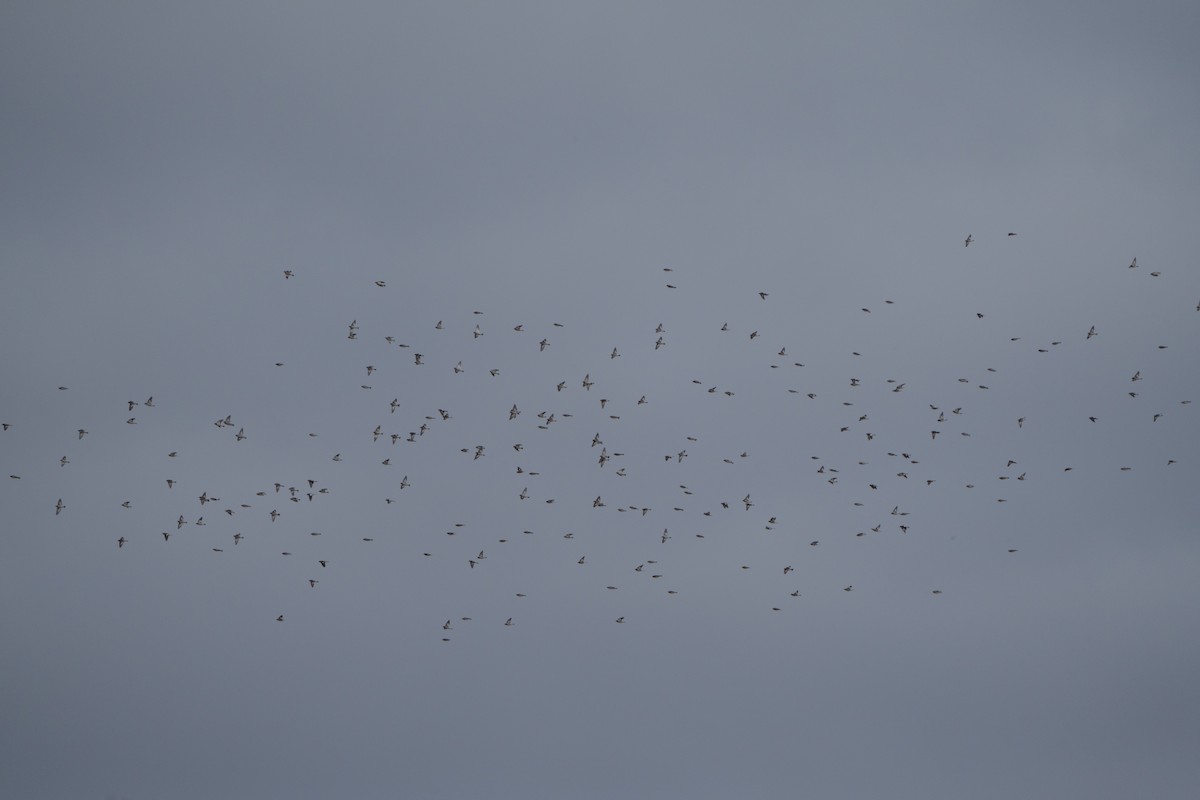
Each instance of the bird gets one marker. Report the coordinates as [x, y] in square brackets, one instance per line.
[58, 507]
[969, 239]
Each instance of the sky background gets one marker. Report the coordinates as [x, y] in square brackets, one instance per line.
[540, 165]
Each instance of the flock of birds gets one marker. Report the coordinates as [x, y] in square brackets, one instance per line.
[875, 476]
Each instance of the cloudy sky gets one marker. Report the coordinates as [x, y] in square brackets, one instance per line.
[817, 596]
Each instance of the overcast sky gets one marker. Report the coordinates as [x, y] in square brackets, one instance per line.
[779, 581]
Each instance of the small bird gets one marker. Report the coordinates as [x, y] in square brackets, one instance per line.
[58, 507]
[968, 241]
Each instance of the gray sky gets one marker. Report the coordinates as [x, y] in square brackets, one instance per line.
[542, 165]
